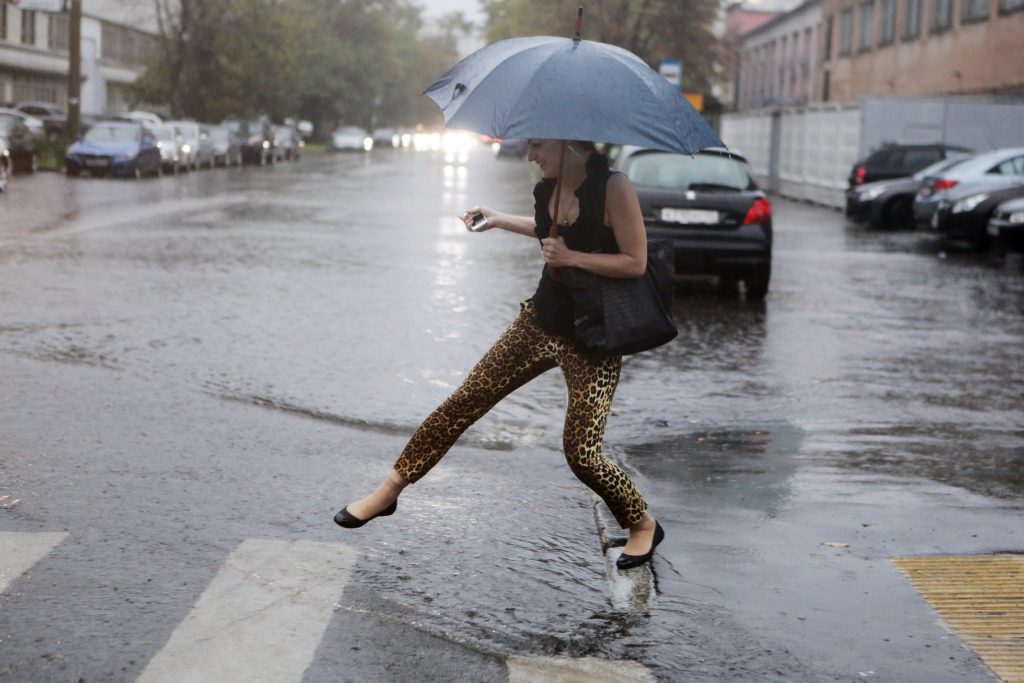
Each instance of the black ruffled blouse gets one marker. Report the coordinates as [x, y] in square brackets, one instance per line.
[589, 233]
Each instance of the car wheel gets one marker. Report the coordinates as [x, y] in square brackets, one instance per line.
[756, 284]
[898, 214]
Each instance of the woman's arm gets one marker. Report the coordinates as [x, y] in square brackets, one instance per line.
[521, 225]
[622, 208]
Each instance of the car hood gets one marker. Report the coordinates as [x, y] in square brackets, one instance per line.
[1012, 205]
[111, 148]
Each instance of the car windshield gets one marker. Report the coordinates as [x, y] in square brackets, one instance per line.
[351, 130]
[681, 171]
[112, 134]
[7, 124]
[163, 132]
[218, 134]
[939, 167]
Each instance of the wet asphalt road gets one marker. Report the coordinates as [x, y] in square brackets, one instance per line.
[192, 362]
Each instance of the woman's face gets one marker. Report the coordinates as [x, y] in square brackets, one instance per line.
[544, 153]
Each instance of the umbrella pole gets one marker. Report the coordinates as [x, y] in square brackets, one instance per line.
[558, 189]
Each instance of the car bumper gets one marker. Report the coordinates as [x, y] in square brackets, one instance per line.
[101, 165]
[1008, 235]
[731, 252]
[960, 226]
[858, 210]
[924, 211]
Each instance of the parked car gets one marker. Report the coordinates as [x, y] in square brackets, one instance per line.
[351, 139]
[386, 137]
[227, 146]
[197, 150]
[5, 165]
[169, 140]
[121, 148]
[1008, 161]
[257, 139]
[34, 124]
[20, 142]
[55, 119]
[963, 213]
[1006, 227]
[890, 203]
[708, 204]
[899, 161]
[287, 142]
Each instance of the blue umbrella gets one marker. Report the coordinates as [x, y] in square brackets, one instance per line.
[569, 89]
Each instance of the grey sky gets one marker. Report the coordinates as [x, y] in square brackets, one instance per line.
[437, 8]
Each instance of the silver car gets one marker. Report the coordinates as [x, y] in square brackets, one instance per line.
[170, 141]
[1008, 161]
[197, 148]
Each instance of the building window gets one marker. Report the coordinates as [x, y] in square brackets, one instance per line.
[845, 32]
[942, 15]
[58, 32]
[888, 22]
[828, 36]
[28, 27]
[912, 21]
[125, 45]
[1010, 5]
[974, 10]
[867, 25]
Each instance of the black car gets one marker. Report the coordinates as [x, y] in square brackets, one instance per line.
[708, 204]
[899, 161]
[257, 136]
[20, 143]
[964, 213]
[889, 203]
[1006, 227]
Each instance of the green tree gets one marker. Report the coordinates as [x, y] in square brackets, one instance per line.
[652, 29]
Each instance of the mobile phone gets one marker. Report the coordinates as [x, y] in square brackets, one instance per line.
[480, 222]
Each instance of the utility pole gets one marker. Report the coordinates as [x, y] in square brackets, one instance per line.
[74, 69]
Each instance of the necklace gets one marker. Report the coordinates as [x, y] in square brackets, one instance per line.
[565, 215]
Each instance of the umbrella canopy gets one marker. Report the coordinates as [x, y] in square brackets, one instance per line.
[569, 89]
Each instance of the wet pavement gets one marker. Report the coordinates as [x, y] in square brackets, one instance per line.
[193, 362]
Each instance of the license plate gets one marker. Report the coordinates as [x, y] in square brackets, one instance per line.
[97, 163]
[690, 216]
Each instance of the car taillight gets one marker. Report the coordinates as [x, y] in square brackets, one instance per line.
[944, 184]
[760, 212]
[860, 175]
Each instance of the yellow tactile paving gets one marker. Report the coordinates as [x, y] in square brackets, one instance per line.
[982, 598]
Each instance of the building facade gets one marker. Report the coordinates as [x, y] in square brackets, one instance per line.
[780, 60]
[738, 20]
[117, 38]
[922, 48]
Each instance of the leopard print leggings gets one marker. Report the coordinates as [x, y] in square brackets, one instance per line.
[523, 352]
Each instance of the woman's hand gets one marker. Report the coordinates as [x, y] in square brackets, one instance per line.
[467, 217]
[556, 253]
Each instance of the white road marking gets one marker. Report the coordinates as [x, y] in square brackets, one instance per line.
[582, 670]
[21, 550]
[261, 618]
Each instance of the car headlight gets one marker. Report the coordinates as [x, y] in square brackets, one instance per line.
[186, 148]
[367, 144]
[1016, 217]
[868, 195]
[969, 203]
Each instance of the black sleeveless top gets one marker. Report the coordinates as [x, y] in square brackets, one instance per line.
[589, 233]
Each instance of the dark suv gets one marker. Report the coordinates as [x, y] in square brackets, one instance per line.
[899, 161]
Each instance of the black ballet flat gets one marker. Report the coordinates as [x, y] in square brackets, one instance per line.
[629, 561]
[347, 520]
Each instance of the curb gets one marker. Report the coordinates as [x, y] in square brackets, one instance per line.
[631, 590]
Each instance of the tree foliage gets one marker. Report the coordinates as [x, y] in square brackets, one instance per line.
[352, 61]
[652, 29]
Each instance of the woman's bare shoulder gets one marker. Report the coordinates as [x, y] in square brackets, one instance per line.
[619, 188]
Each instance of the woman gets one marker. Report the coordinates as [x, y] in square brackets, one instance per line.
[601, 230]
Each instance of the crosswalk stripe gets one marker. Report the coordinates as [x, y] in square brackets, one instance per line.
[261, 618]
[575, 670]
[20, 550]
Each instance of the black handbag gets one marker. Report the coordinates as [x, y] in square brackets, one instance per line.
[621, 316]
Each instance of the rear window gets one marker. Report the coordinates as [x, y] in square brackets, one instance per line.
[681, 171]
[916, 159]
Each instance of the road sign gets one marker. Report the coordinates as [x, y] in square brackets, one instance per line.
[672, 70]
[696, 99]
